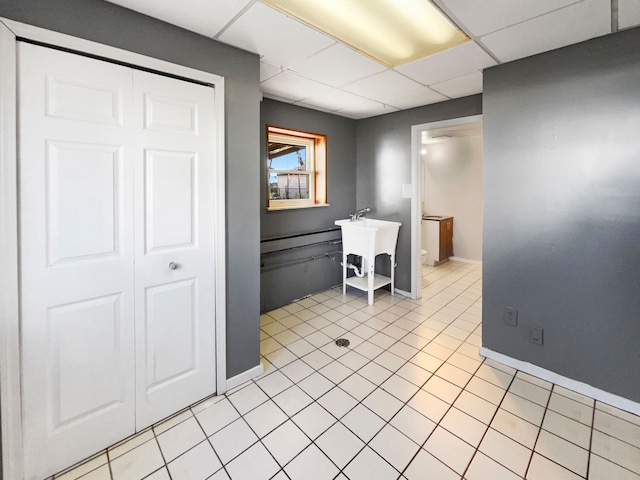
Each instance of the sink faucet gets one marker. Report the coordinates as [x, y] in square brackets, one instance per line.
[359, 214]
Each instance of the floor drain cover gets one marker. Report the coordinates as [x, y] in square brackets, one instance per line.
[342, 342]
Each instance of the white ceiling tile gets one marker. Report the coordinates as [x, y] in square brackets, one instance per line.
[292, 86]
[452, 63]
[354, 116]
[337, 65]
[382, 86]
[333, 100]
[368, 108]
[280, 40]
[461, 86]
[488, 16]
[628, 13]
[314, 107]
[279, 99]
[303, 66]
[268, 71]
[201, 16]
[579, 22]
[415, 98]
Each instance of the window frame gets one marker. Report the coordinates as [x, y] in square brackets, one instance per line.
[316, 168]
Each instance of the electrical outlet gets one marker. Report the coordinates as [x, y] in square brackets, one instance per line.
[510, 316]
[305, 268]
[535, 334]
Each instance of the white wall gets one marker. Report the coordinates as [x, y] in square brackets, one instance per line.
[453, 186]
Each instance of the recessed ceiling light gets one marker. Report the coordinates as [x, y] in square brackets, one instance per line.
[392, 32]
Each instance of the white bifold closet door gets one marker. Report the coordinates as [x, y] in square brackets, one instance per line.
[116, 172]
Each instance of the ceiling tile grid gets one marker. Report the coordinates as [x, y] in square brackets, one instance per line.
[461, 86]
[337, 66]
[575, 23]
[300, 65]
[487, 16]
[200, 16]
[381, 85]
[332, 100]
[267, 71]
[292, 86]
[368, 108]
[279, 40]
[455, 62]
[414, 98]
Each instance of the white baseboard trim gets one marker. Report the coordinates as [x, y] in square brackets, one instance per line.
[466, 260]
[245, 376]
[402, 292]
[582, 388]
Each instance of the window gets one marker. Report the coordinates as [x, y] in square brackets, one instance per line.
[296, 169]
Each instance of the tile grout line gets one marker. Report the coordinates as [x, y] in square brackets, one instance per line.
[334, 359]
[477, 448]
[535, 444]
[312, 441]
[110, 469]
[379, 386]
[443, 314]
[593, 424]
[164, 459]
[406, 404]
[393, 372]
[241, 417]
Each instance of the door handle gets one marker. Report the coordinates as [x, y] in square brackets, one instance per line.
[173, 265]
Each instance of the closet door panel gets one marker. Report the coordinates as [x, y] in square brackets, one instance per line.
[83, 182]
[171, 200]
[117, 248]
[175, 305]
[76, 256]
[172, 345]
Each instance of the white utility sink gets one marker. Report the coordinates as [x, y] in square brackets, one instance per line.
[367, 238]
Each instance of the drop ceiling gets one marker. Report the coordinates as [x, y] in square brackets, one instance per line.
[303, 66]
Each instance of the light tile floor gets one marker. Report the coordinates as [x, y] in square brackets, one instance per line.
[409, 399]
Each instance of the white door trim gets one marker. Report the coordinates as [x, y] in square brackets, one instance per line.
[10, 399]
[11, 411]
[416, 200]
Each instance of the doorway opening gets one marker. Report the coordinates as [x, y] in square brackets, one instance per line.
[447, 182]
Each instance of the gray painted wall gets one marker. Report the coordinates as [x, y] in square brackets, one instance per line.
[112, 25]
[383, 146]
[281, 285]
[562, 210]
[341, 168]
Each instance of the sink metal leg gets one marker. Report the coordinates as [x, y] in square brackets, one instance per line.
[392, 258]
[370, 278]
[344, 274]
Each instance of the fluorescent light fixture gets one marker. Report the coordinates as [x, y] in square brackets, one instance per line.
[392, 32]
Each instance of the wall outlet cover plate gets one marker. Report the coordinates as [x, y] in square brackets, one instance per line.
[535, 334]
[510, 316]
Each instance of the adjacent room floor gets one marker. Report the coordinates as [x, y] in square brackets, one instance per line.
[409, 398]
